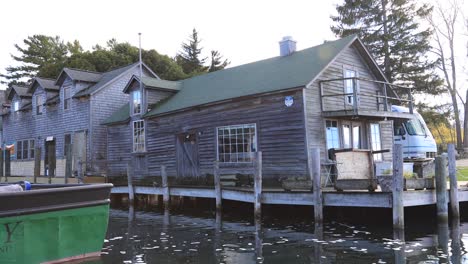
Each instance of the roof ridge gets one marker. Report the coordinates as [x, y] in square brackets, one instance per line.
[75, 69]
[121, 67]
[271, 58]
[45, 78]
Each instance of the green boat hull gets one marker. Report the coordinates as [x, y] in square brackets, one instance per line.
[50, 236]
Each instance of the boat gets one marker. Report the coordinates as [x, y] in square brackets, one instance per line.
[53, 223]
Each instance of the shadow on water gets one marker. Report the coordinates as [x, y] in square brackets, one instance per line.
[192, 233]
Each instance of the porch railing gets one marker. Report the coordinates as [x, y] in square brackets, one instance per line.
[332, 100]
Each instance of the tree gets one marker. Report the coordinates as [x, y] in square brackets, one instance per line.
[217, 62]
[438, 119]
[391, 32]
[444, 23]
[41, 55]
[189, 58]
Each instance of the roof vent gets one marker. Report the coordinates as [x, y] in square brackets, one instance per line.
[287, 46]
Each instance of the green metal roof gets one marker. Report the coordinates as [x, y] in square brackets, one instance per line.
[270, 75]
[150, 82]
[120, 116]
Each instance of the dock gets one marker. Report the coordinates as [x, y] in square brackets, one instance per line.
[319, 197]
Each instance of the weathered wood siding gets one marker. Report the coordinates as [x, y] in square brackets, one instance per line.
[315, 131]
[119, 148]
[280, 135]
[352, 60]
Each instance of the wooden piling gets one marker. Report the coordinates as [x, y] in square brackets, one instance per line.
[454, 204]
[1, 165]
[7, 164]
[258, 186]
[68, 163]
[165, 186]
[80, 171]
[37, 163]
[441, 188]
[397, 188]
[131, 194]
[217, 186]
[314, 171]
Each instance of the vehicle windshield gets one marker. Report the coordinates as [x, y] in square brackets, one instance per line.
[415, 128]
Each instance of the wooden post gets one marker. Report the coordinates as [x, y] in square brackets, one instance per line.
[1, 165]
[456, 245]
[131, 194]
[80, 171]
[37, 163]
[397, 188]
[385, 97]
[217, 186]
[441, 188]
[314, 171]
[454, 205]
[165, 186]
[7, 164]
[355, 96]
[68, 163]
[399, 236]
[318, 249]
[258, 186]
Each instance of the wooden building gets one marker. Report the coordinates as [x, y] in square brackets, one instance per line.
[51, 114]
[328, 96]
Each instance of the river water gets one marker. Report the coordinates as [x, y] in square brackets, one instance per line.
[284, 236]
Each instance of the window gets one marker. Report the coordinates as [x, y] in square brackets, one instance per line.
[415, 128]
[346, 136]
[332, 134]
[39, 104]
[66, 98]
[25, 149]
[16, 105]
[136, 102]
[66, 143]
[376, 140]
[237, 143]
[357, 136]
[139, 136]
[349, 85]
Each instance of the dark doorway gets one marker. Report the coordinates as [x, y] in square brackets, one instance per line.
[49, 158]
[187, 155]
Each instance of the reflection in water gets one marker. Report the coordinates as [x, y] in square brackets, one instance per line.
[149, 237]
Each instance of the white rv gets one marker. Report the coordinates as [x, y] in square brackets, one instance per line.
[414, 135]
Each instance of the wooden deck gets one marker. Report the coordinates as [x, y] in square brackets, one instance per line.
[278, 196]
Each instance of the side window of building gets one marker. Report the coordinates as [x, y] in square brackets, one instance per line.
[16, 105]
[136, 102]
[332, 134]
[237, 143]
[25, 149]
[350, 85]
[139, 136]
[66, 98]
[39, 104]
[376, 140]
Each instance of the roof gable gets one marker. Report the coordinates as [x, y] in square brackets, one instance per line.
[270, 75]
[78, 75]
[45, 83]
[20, 90]
[154, 83]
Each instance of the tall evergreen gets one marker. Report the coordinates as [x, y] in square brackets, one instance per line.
[217, 62]
[190, 57]
[393, 35]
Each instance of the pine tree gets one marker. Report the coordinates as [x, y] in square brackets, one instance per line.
[217, 62]
[42, 55]
[190, 58]
[391, 32]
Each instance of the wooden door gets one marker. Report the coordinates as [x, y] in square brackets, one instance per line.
[79, 150]
[50, 158]
[187, 155]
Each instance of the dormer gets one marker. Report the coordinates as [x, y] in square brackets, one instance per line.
[71, 81]
[20, 98]
[151, 92]
[42, 89]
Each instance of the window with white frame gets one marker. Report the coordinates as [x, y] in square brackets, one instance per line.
[39, 104]
[16, 105]
[139, 136]
[237, 143]
[66, 98]
[349, 85]
[332, 134]
[376, 140]
[25, 149]
[136, 102]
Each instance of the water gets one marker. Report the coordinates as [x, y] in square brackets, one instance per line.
[156, 237]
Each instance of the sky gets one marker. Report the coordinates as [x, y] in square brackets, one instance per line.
[243, 31]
